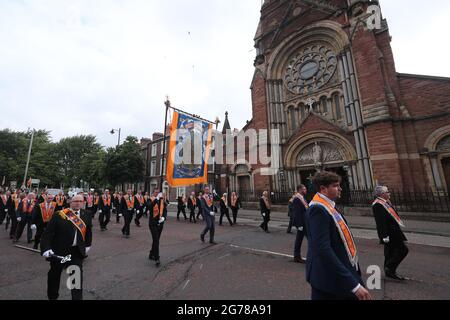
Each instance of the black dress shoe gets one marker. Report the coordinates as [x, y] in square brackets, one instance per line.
[299, 260]
[158, 263]
[394, 276]
[151, 257]
[212, 242]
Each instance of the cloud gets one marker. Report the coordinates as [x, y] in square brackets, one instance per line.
[87, 66]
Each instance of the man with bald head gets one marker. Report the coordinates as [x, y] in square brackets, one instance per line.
[69, 232]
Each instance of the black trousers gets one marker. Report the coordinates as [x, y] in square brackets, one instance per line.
[14, 223]
[394, 253]
[139, 215]
[2, 215]
[104, 217]
[199, 214]
[291, 222]
[298, 243]
[181, 209]
[128, 217]
[156, 230]
[265, 224]
[118, 213]
[26, 221]
[39, 231]
[54, 275]
[210, 226]
[227, 214]
[235, 213]
[192, 215]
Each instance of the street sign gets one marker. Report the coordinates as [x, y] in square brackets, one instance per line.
[35, 181]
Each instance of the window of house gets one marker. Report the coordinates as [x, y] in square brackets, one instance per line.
[154, 146]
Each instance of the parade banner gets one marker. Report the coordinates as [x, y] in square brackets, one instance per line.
[189, 148]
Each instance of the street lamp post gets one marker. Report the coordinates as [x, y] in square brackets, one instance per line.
[28, 158]
[114, 131]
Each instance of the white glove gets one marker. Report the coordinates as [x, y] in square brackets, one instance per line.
[263, 214]
[120, 215]
[137, 211]
[161, 220]
[19, 219]
[48, 253]
[386, 240]
[300, 229]
[33, 227]
[6, 210]
[212, 213]
[87, 249]
[100, 211]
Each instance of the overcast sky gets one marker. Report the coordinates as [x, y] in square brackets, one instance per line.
[87, 66]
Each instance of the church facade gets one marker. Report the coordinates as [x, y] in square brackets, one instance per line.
[327, 82]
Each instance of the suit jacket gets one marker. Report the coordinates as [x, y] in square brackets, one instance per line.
[8, 206]
[20, 213]
[37, 216]
[102, 206]
[262, 206]
[156, 202]
[60, 233]
[206, 210]
[386, 225]
[298, 212]
[191, 204]
[238, 203]
[327, 265]
[124, 207]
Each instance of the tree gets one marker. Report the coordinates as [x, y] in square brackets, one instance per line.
[124, 163]
[92, 169]
[71, 152]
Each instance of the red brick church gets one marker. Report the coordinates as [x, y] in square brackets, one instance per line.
[328, 83]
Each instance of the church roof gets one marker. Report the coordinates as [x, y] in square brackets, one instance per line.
[226, 124]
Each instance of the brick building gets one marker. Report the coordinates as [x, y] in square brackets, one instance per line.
[329, 85]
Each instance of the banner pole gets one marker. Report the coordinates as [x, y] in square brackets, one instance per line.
[164, 157]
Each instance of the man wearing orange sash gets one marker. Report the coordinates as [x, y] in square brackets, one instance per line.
[69, 232]
[104, 206]
[390, 233]
[192, 204]
[41, 216]
[264, 206]
[140, 208]
[5, 204]
[207, 204]
[299, 207]
[235, 204]
[24, 214]
[61, 201]
[158, 215]
[129, 205]
[332, 266]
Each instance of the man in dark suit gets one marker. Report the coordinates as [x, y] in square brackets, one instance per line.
[332, 263]
[158, 214]
[207, 208]
[61, 201]
[299, 207]
[5, 204]
[104, 206]
[129, 205]
[42, 214]
[264, 205]
[24, 214]
[389, 232]
[69, 232]
[192, 204]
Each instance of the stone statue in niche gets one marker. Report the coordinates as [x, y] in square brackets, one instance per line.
[319, 153]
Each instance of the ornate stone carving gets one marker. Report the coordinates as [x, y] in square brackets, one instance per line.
[319, 153]
[444, 144]
[310, 69]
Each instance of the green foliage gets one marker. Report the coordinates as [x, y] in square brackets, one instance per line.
[68, 161]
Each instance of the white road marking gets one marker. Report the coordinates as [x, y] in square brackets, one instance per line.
[201, 266]
[228, 254]
[187, 282]
[263, 251]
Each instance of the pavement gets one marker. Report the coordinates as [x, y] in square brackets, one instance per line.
[247, 263]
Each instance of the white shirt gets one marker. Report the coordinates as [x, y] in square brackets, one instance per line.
[74, 244]
[333, 204]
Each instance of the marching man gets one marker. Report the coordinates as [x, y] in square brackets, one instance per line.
[389, 231]
[69, 232]
[42, 214]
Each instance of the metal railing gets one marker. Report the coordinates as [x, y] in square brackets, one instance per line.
[406, 201]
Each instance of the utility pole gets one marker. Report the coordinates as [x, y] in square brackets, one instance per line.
[28, 159]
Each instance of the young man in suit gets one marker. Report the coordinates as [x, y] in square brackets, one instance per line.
[104, 206]
[299, 207]
[42, 214]
[158, 215]
[207, 207]
[332, 266]
[390, 233]
[69, 232]
[264, 205]
[24, 214]
[129, 205]
[192, 204]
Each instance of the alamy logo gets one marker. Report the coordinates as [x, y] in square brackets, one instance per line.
[74, 279]
[374, 279]
[374, 20]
